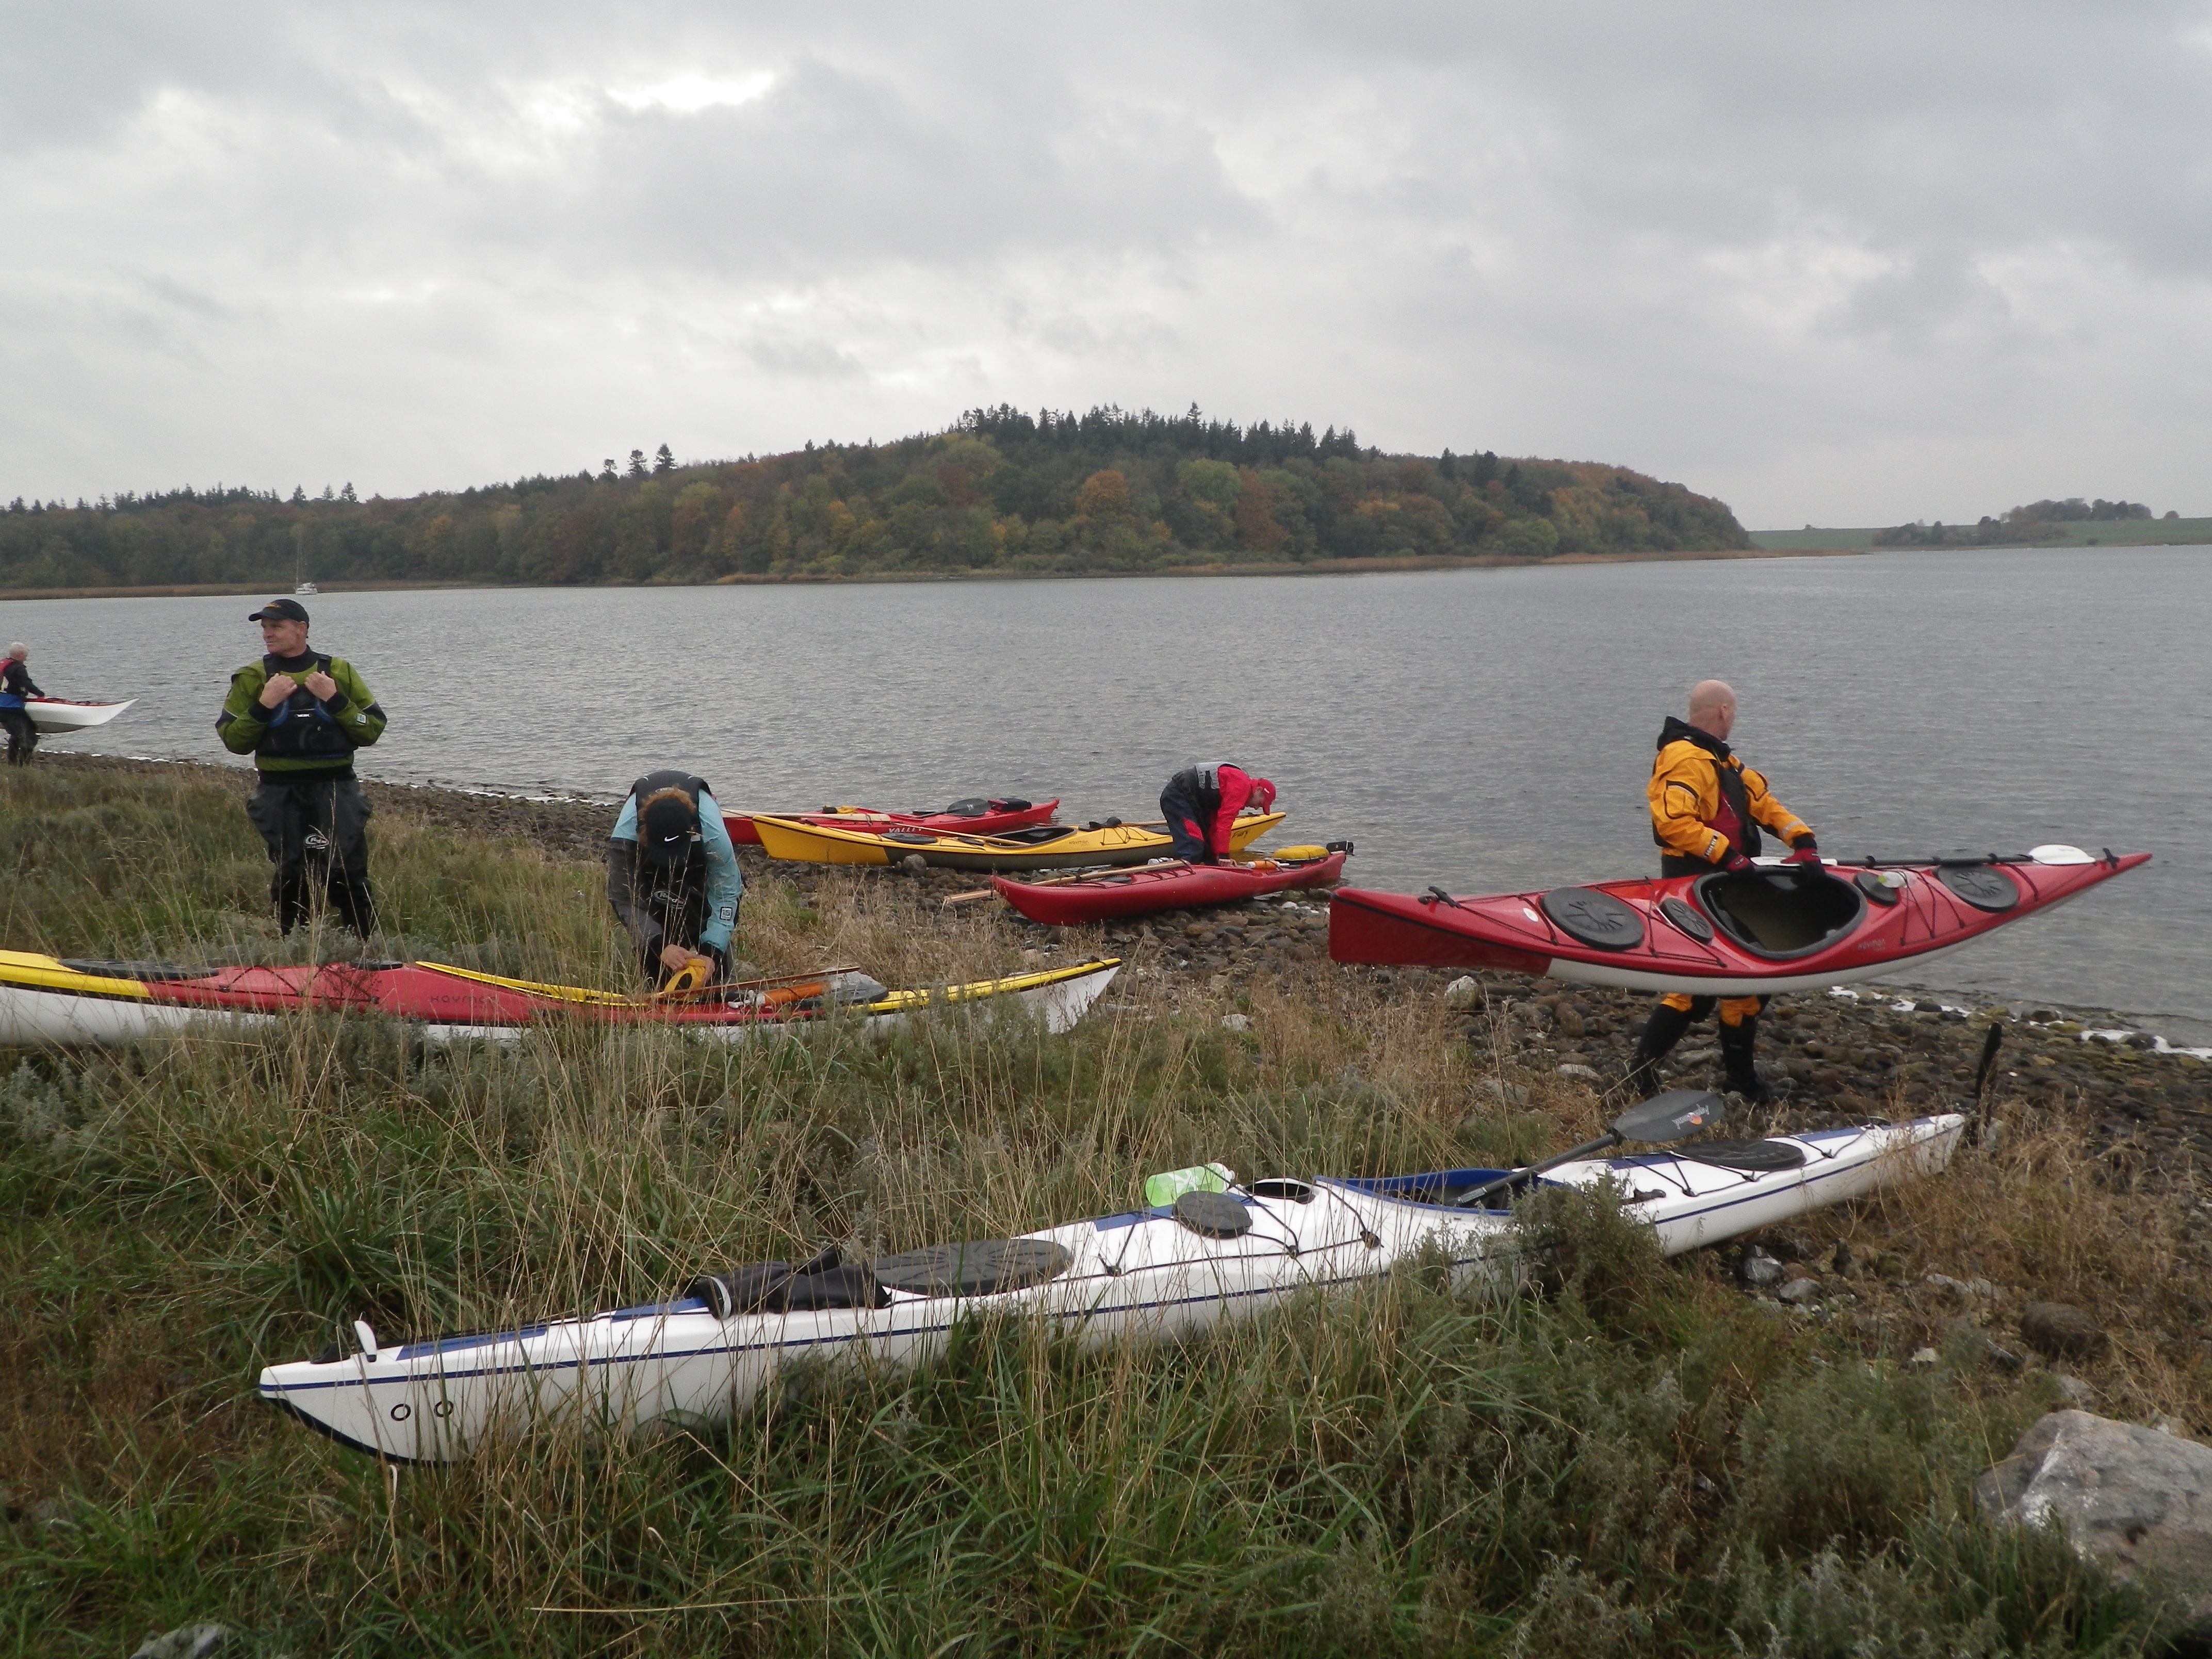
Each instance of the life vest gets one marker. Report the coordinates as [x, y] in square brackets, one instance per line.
[300, 727]
[1202, 779]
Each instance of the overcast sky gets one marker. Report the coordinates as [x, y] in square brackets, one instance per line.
[1846, 263]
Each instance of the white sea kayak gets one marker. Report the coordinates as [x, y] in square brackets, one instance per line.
[1144, 1273]
[60, 715]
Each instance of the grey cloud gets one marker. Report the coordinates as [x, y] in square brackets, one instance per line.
[1806, 257]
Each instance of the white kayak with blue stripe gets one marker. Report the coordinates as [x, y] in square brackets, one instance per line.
[1209, 1257]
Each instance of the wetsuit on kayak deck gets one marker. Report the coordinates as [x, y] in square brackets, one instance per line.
[672, 875]
[1707, 808]
[1200, 804]
[16, 684]
[311, 812]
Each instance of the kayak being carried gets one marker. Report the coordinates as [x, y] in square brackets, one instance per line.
[63, 715]
[1170, 885]
[1046, 846]
[1205, 1259]
[47, 999]
[1776, 926]
[973, 816]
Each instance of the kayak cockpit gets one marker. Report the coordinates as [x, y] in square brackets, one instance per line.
[1782, 913]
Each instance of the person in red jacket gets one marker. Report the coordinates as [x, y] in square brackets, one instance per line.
[1200, 804]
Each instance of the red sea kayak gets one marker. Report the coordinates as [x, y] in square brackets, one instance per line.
[1778, 927]
[988, 817]
[1168, 886]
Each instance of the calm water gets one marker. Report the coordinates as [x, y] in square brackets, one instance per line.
[1484, 730]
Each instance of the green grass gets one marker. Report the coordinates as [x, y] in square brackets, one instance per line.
[1638, 1462]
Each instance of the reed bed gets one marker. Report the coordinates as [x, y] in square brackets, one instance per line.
[1641, 1461]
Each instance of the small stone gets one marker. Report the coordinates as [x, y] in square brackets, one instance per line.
[1506, 1094]
[1697, 1057]
[186, 1642]
[1236, 1022]
[1923, 1359]
[1759, 1271]
[2059, 1332]
[1571, 1022]
[1842, 1261]
[2072, 1389]
[1801, 1293]
[49, 1513]
[913, 865]
[1571, 1070]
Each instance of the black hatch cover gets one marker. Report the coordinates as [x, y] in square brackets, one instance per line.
[1884, 887]
[1593, 918]
[980, 1267]
[1982, 885]
[1213, 1215]
[1758, 1157]
[1687, 919]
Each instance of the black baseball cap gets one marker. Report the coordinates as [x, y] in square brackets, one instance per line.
[280, 611]
[666, 827]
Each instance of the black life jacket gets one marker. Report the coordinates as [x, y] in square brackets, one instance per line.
[300, 728]
[1202, 782]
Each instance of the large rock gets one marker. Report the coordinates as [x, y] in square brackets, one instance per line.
[2137, 1499]
[2060, 1331]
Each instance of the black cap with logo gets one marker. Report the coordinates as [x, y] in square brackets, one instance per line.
[280, 611]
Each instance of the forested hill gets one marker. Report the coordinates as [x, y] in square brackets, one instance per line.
[1001, 491]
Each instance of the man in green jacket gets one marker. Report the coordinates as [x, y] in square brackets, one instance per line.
[301, 714]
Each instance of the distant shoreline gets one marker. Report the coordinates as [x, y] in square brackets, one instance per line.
[1310, 567]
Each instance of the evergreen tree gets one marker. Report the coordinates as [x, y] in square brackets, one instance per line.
[664, 459]
[637, 468]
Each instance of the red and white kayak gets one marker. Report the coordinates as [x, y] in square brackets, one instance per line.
[987, 817]
[1171, 884]
[47, 999]
[61, 714]
[1780, 926]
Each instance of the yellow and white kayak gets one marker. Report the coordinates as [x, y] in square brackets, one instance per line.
[1046, 847]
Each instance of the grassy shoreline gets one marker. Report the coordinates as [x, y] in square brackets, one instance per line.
[1648, 1461]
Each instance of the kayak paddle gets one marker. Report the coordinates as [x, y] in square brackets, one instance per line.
[1675, 1115]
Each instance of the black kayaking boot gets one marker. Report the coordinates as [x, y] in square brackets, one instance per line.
[1742, 1077]
[1661, 1033]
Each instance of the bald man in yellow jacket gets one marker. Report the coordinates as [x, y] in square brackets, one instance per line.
[1707, 809]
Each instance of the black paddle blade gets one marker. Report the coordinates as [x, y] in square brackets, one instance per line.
[1674, 1115]
[1991, 1044]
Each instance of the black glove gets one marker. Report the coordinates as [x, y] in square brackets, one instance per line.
[1805, 850]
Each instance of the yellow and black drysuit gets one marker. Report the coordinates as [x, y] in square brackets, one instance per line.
[1707, 807]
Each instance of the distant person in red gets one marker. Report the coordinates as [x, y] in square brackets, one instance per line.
[1200, 804]
[16, 684]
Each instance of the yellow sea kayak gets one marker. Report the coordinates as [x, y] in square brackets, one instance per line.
[1046, 847]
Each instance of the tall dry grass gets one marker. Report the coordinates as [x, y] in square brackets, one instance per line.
[1642, 1462]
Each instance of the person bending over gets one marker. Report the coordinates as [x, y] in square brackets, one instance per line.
[301, 714]
[16, 684]
[673, 875]
[1200, 804]
[1707, 808]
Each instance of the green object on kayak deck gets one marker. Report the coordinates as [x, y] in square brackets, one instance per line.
[1162, 1190]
